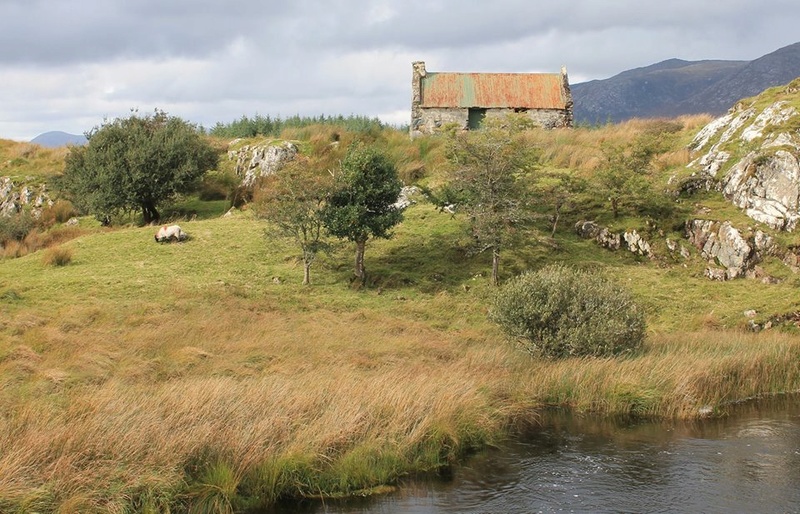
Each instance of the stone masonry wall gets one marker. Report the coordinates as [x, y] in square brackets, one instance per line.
[547, 118]
[429, 120]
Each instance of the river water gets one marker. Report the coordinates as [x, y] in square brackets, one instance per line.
[746, 462]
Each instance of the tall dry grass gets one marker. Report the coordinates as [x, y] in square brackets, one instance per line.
[678, 375]
[57, 256]
[17, 159]
[36, 240]
[143, 410]
[579, 149]
[171, 378]
[225, 405]
[154, 378]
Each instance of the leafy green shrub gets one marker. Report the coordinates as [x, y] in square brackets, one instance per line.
[136, 164]
[559, 312]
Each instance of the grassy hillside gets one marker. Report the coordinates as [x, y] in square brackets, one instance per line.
[201, 375]
[20, 160]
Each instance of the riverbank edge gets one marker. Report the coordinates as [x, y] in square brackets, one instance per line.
[456, 451]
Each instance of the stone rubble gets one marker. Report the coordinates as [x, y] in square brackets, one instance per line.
[406, 197]
[630, 239]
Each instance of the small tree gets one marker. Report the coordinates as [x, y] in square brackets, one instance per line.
[622, 179]
[361, 205]
[560, 312]
[486, 180]
[558, 190]
[136, 163]
[292, 200]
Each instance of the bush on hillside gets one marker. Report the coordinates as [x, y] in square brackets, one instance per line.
[16, 227]
[560, 312]
[136, 164]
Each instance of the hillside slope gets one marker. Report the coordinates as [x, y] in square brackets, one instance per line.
[675, 87]
[774, 69]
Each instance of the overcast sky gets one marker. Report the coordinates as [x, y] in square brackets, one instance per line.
[69, 64]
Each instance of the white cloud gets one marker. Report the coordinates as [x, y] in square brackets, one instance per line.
[380, 12]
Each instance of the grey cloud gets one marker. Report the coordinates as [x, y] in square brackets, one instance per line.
[56, 32]
[63, 62]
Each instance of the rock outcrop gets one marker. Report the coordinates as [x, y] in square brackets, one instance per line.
[630, 239]
[15, 196]
[768, 191]
[259, 160]
[407, 196]
[752, 155]
[730, 254]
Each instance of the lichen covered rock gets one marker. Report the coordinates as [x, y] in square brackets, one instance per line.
[730, 254]
[752, 155]
[15, 196]
[259, 160]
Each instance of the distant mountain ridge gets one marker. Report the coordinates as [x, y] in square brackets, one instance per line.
[57, 138]
[674, 87]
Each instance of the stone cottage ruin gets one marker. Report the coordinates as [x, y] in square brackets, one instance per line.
[468, 98]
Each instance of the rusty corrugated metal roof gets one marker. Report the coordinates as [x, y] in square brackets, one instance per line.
[487, 90]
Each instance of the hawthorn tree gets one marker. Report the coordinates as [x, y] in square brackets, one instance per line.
[135, 164]
[623, 177]
[361, 205]
[292, 200]
[487, 180]
[558, 190]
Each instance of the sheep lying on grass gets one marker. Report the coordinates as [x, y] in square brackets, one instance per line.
[169, 234]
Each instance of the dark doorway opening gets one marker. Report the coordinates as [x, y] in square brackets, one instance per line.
[475, 118]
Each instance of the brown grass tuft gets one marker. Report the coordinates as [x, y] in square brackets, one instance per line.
[13, 249]
[58, 256]
[60, 212]
[36, 240]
